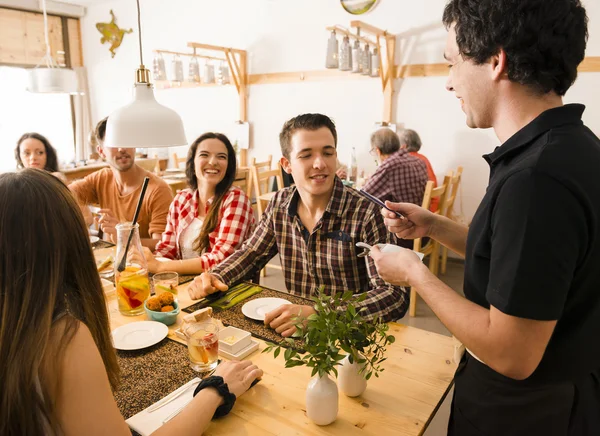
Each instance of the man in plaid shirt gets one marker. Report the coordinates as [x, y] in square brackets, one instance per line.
[400, 177]
[314, 227]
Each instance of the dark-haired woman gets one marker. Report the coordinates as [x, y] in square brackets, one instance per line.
[35, 151]
[209, 221]
[57, 362]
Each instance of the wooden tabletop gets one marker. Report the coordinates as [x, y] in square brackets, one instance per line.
[418, 374]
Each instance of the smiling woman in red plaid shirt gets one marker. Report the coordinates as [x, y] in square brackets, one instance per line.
[314, 227]
[207, 222]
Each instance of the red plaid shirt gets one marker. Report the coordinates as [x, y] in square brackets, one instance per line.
[401, 178]
[325, 257]
[236, 221]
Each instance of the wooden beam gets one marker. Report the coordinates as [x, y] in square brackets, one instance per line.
[340, 29]
[189, 54]
[212, 47]
[590, 64]
[368, 28]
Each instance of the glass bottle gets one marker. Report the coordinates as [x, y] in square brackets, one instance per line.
[133, 285]
[194, 70]
[345, 55]
[177, 68]
[158, 67]
[332, 51]
[366, 63]
[356, 54]
[353, 170]
[208, 73]
[222, 74]
[375, 63]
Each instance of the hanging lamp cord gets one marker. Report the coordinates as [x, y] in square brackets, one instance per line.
[140, 32]
[48, 57]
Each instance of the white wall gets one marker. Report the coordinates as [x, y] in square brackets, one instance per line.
[281, 35]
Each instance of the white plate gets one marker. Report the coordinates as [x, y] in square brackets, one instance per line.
[257, 309]
[138, 335]
[94, 239]
[174, 170]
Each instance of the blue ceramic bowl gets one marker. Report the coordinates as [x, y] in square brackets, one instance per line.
[167, 318]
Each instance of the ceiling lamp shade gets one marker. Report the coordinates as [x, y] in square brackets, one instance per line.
[52, 80]
[48, 76]
[144, 123]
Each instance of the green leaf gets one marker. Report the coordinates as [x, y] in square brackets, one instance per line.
[288, 354]
[277, 351]
[314, 371]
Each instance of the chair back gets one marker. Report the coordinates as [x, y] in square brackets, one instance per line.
[260, 185]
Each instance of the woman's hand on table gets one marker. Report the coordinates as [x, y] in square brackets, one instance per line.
[205, 284]
[238, 375]
[283, 319]
[154, 266]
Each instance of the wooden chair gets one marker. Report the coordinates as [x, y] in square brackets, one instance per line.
[243, 180]
[455, 182]
[261, 180]
[260, 167]
[432, 248]
[178, 160]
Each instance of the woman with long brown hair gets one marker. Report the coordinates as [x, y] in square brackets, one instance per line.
[57, 363]
[211, 219]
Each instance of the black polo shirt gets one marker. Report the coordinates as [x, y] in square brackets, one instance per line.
[533, 249]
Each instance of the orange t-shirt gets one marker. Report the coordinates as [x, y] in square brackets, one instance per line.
[431, 176]
[100, 188]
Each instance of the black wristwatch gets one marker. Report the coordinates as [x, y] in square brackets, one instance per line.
[215, 381]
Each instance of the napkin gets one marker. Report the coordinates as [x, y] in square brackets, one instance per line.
[146, 423]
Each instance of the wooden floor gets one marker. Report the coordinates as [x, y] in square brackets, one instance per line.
[425, 320]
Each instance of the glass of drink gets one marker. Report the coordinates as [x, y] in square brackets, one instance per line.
[133, 285]
[133, 288]
[203, 345]
[165, 282]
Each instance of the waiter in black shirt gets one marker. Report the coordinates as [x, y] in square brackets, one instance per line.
[531, 317]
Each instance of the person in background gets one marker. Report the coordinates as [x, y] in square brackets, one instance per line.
[400, 177]
[314, 227]
[530, 317]
[58, 365]
[117, 190]
[35, 151]
[410, 140]
[211, 219]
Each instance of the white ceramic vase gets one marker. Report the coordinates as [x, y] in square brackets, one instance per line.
[322, 400]
[351, 382]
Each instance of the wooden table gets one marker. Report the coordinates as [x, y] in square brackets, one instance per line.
[402, 401]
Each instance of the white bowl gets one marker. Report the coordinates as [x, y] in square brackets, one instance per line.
[233, 340]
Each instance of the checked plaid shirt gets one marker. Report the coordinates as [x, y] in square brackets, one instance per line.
[401, 178]
[236, 221]
[327, 256]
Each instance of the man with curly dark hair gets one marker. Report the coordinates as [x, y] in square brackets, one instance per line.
[531, 317]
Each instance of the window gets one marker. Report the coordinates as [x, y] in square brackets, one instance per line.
[22, 111]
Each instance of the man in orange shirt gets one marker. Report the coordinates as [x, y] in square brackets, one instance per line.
[410, 140]
[117, 190]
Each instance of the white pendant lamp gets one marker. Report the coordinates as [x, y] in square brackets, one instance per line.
[48, 76]
[144, 123]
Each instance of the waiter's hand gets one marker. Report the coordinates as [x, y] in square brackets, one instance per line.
[400, 268]
[417, 222]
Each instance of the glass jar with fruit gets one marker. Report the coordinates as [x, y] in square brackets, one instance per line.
[133, 285]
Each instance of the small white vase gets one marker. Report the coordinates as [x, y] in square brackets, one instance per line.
[322, 400]
[351, 382]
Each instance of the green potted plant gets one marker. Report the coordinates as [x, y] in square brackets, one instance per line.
[336, 332]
